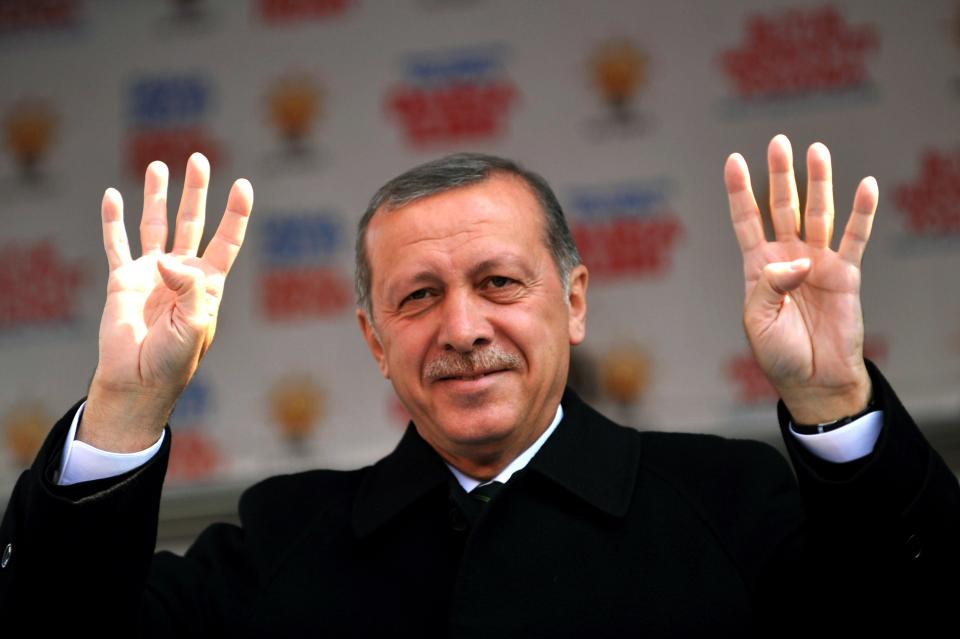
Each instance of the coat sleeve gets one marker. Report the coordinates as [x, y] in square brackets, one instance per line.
[891, 521]
[82, 556]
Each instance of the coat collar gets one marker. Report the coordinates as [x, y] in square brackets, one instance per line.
[398, 480]
[591, 457]
[588, 456]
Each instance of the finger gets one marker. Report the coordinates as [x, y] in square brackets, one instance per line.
[744, 212]
[857, 233]
[153, 224]
[188, 284]
[819, 214]
[193, 204]
[776, 280]
[223, 248]
[114, 235]
[784, 203]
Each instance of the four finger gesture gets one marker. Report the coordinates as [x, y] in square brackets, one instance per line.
[802, 311]
[161, 310]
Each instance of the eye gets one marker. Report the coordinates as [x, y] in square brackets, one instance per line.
[500, 285]
[419, 294]
[498, 281]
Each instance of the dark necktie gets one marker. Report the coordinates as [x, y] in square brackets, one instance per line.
[472, 504]
[485, 492]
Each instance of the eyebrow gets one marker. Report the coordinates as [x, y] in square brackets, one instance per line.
[494, 263]
[399, 287]
[485, 266]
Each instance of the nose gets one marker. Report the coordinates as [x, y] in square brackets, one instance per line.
[464, 324]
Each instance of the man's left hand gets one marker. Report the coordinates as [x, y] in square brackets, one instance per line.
[802, 311]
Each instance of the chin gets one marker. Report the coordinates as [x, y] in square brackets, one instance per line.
[477, 427]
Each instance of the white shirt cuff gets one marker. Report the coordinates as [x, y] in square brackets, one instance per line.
[82, 462]
[847, 443]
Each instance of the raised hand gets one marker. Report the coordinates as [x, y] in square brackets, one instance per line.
[802, 311]
[161, 310]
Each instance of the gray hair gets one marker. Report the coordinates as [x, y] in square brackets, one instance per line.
[455, 171]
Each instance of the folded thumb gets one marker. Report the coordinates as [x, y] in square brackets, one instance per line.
[778, 279]
[187, 283]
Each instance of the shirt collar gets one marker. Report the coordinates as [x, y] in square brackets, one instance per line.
[521, 461]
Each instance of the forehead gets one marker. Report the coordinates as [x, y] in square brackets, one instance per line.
[493, 215]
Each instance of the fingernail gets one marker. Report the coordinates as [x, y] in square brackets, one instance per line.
[801, 264]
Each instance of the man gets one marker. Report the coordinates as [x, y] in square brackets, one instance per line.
[470, 294]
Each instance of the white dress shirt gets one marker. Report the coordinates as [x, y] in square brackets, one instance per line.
[82, 462]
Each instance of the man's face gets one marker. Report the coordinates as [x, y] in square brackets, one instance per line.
[470, 322]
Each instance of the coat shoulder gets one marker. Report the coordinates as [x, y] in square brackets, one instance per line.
[743, 491]
[707, 454]
[281, 507]
[709, 466]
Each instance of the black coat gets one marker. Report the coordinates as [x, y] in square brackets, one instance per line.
[608, 532]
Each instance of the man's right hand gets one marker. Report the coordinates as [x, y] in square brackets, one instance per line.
[161, 310]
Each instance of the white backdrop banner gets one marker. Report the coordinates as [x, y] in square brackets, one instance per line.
[628, 109]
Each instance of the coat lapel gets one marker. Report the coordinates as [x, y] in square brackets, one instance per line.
[591, 457]
[396, 482]
[588, 455]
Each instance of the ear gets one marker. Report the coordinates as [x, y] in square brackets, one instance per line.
[577, 303]
[373, 342]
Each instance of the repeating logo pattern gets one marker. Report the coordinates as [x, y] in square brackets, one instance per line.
[18, 16]
[30, 128]
[38, 285]
[292, 11]
[618, 72]
[168, 121]
[625, 373]
[25, 426]
[625, 230]
[798, 52]
[193, 454]
[621, 376]
[185, 74]
[294, 102]
[299, 275]
[453, 96]
[297, 404]
[930, 205]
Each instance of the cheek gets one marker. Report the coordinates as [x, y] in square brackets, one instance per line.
[526, 330]
[407, 352]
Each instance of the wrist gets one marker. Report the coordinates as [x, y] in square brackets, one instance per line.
[123, 421]
[826, 427]
[828, 406]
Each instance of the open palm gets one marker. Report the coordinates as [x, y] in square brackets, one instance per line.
[161, 309]
[802, 312]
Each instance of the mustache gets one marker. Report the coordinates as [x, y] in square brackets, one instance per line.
[487, 360]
